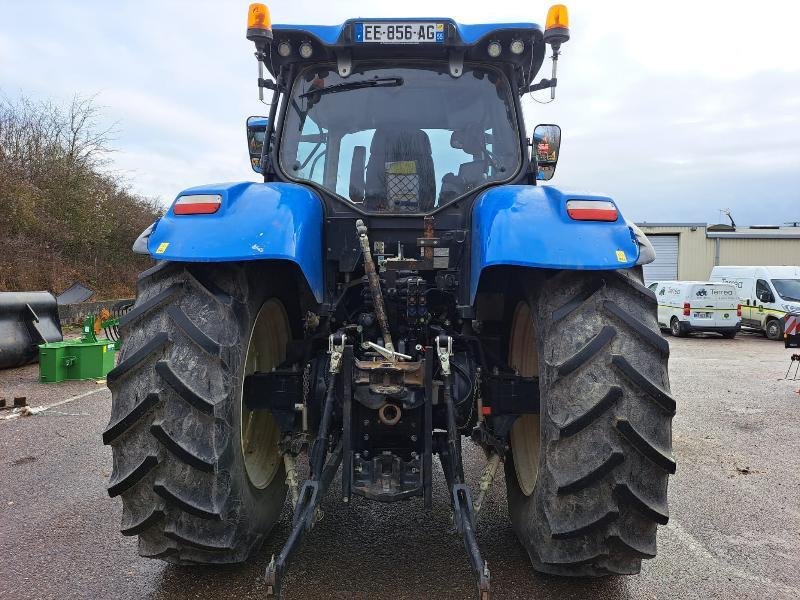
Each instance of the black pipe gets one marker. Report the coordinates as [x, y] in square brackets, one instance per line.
[347, 417]
[321, 442]
[453, 436]
[427, 457]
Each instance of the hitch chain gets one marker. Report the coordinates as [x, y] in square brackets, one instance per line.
[486, 481]
[444, 350]
[290, 465]
[336, 350]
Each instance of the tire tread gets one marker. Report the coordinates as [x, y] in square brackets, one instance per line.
[184, 492]
[592, 516]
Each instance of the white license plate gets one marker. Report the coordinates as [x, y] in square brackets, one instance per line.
[400, 32]
[702, 315]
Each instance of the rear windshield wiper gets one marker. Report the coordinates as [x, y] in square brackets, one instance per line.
[355, 85]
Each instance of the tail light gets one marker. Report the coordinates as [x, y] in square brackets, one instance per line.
[592, 210]
[197, 204]
[687, 309]
[738, 310]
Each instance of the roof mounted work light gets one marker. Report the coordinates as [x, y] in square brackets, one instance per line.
[259, 24]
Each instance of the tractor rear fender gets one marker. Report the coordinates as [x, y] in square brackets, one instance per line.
[528, 226]
[255, 221]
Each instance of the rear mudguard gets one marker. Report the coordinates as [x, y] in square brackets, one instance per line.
[256, 221]
[528, 226]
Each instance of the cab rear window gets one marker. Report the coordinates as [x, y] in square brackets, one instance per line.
[405, 139]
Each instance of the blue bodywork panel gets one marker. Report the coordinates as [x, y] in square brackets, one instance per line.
[453, 41]
[529, 226]
[256, 221]
[469, 34]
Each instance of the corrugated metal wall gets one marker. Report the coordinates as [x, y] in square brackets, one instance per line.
[696, 252]
[759, 252]
[696, 255]
[665, 266]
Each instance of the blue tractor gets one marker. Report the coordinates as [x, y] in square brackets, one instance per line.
[398, 281]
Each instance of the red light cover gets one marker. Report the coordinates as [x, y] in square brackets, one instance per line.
[197, 204]
[592, 210]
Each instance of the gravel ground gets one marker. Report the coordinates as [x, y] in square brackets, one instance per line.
[734, 529]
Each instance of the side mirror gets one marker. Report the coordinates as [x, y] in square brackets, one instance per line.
[546, 146]
[357, 168]
[256, 132]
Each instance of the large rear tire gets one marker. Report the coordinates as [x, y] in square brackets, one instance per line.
[591, 504]
[201, 479]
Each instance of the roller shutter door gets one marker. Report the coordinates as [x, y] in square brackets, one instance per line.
[665, 266]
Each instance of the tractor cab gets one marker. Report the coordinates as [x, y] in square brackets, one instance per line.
[398, 116]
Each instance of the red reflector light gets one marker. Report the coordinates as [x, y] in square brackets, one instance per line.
[197, 204]
[687, 309]
[486, 410]
[592, 210]
[739, 310]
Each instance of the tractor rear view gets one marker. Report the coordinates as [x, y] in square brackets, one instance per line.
[399, 281]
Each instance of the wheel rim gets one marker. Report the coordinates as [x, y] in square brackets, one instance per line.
[258, 432]
[675, 327]
[772, 330]
[525, 433]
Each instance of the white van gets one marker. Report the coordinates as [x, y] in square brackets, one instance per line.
[687, 306]
[766, 293]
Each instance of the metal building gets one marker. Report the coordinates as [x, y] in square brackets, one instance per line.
[688, 251]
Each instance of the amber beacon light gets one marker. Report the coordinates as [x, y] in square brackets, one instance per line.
[556, 30]
[259, 24]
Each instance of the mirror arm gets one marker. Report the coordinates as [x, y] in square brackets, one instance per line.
[543, 85]
[266, 162]
[269, 84]
[534, 163]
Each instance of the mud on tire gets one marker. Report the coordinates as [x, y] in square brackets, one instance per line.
[176, 416]
[606, 433]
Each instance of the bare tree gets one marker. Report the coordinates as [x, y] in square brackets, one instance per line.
[63, 214]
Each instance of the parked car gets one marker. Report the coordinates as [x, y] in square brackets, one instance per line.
[692, 306]
[767, 294]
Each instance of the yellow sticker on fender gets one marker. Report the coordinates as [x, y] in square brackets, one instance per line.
[162, 247]
[621, 256]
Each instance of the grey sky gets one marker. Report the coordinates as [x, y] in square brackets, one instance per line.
[675, 109]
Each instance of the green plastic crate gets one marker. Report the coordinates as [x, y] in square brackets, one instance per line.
[75, 360]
